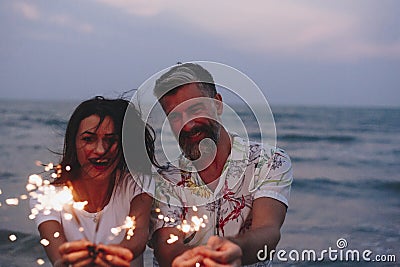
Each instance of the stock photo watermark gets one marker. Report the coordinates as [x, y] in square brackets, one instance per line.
[339, 253]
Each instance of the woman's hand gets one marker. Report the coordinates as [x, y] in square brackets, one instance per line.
[84, 253]
[75, 253]
[113, 255]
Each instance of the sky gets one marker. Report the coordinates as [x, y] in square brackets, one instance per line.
[331, 52]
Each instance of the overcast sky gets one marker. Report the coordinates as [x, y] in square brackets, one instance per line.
[338, 52]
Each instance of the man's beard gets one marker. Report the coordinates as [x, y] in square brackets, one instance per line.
[191, 149]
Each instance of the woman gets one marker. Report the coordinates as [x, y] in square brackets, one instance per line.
[98, 174]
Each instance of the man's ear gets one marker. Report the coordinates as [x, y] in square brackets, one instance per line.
[219, 104]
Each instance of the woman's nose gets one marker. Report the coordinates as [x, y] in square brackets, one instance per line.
[100, 148]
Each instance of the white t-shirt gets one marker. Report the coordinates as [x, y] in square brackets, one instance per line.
[111, 216]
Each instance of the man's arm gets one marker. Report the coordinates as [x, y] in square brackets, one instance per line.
[164, 252]
[268, 217]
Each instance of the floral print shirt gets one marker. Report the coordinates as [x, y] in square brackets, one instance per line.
[252, 171]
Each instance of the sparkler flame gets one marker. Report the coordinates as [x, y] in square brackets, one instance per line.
[172, 239]
[129, 225]
[194, 225]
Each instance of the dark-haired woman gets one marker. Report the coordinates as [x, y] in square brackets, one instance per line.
[99, 175]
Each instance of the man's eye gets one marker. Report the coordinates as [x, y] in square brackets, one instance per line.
[173, 117]
[196, 110]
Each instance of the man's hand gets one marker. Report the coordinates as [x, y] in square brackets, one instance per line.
[189, 258]
[222, 252]
[217, 252]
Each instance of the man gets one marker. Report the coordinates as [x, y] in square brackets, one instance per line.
[239, 188]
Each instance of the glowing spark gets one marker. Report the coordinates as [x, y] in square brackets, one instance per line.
[166, 219]
[194, 208]
[40, 261]
[115, 231]
[23, 197]
[12, 237]
[12, 201]
[157, 210]
[35, 180]
[79, 205]
[129, 225]
[68, 216]
[53, 198]
[67, 168]
[44, 242]
[0, 204]
[172, 239]
[197, 264]
[1, 192]
[160, 216]
[54, 175]
[56, 234]
[195, 224]
[81, 229]
[30, 187]
[185, 226]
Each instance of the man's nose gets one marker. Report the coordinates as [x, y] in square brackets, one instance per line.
[188, 122]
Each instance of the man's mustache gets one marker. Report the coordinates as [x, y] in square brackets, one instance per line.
[194, 130]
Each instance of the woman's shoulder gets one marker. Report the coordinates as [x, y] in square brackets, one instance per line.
[134, 182]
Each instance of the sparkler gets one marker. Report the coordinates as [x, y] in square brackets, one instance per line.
[59, 198]
[129, 225]
[192, 226]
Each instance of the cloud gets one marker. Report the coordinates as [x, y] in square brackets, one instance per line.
[31, 12]
[137, 7]
[28, 11]
[284, 28]
[69, 22]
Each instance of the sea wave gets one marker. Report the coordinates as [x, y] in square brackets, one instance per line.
[317, 138]
[22, 252]
[323, 184]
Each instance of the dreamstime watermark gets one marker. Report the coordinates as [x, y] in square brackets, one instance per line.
[340, 253]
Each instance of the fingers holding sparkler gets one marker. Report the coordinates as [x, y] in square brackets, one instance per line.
[189, 258]
[77, 253]
[221, 252]
[113, 255]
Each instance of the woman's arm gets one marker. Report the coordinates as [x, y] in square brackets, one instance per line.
[60, 252]
[47, 231]
[141, 209]
[123, 253]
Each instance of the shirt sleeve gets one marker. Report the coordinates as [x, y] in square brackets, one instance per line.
[273, 177]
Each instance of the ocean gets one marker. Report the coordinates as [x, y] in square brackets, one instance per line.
[346, 180]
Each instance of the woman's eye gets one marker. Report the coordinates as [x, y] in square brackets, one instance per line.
[88, 139]
[110, 140]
